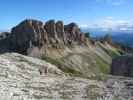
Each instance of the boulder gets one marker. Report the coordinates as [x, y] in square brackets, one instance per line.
[60, 31]
[73, 32]
[30, 30]
[4, 35]
[29, 33]
[51, 29]
[122, 66]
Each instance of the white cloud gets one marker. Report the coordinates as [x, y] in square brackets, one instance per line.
[84, 26]
[109, 23]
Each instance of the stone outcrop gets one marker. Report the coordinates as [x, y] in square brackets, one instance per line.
[61, 32]
[33, 35]
[73, 32]
[51, 29]
[29, 33]
[122, 66]
[25, 78]
[69, 29]
[60, 29]
[4, 35]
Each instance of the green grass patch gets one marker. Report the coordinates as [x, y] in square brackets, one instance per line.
[103, 66]
[112, 53]
[59, 63]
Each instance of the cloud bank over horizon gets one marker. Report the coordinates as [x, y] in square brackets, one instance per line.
[110, 24]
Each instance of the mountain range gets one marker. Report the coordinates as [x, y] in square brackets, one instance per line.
[52, 61]
[124, 37]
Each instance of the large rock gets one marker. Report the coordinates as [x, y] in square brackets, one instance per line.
[27, 78]
[32, 37]
[29, 33]
[5, 42]
[60, 31]
[73, 33]
[122, 66]
[4, 35]
[51, 29]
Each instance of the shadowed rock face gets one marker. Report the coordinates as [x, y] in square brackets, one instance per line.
[4, 35]
[30, 34]
[60, 31]
[51, 29]
[73, 32]
[122, 66]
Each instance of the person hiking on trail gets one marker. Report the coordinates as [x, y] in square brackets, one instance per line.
[43, 70]
[40, 71]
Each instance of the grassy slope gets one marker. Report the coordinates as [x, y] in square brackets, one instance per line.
[110, 50]
[85, 62]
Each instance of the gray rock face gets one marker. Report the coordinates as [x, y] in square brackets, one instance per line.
[72, 31]
[27, 78]
[28, 33]
[4, 35]
[51, 29]
[122, 66]
[60, 31]
[32, 33]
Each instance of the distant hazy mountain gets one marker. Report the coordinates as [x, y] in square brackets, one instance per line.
[118, 36]
[124, 38]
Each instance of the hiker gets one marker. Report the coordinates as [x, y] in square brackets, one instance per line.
[43, 70]
[40, 71]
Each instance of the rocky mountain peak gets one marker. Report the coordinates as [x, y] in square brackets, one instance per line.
[33, 33]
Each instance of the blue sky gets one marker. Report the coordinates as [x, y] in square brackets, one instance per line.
[86, 13]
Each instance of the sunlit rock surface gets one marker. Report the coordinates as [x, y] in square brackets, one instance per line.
[26, 78]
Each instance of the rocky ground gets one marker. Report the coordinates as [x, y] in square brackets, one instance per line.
[20, 79]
